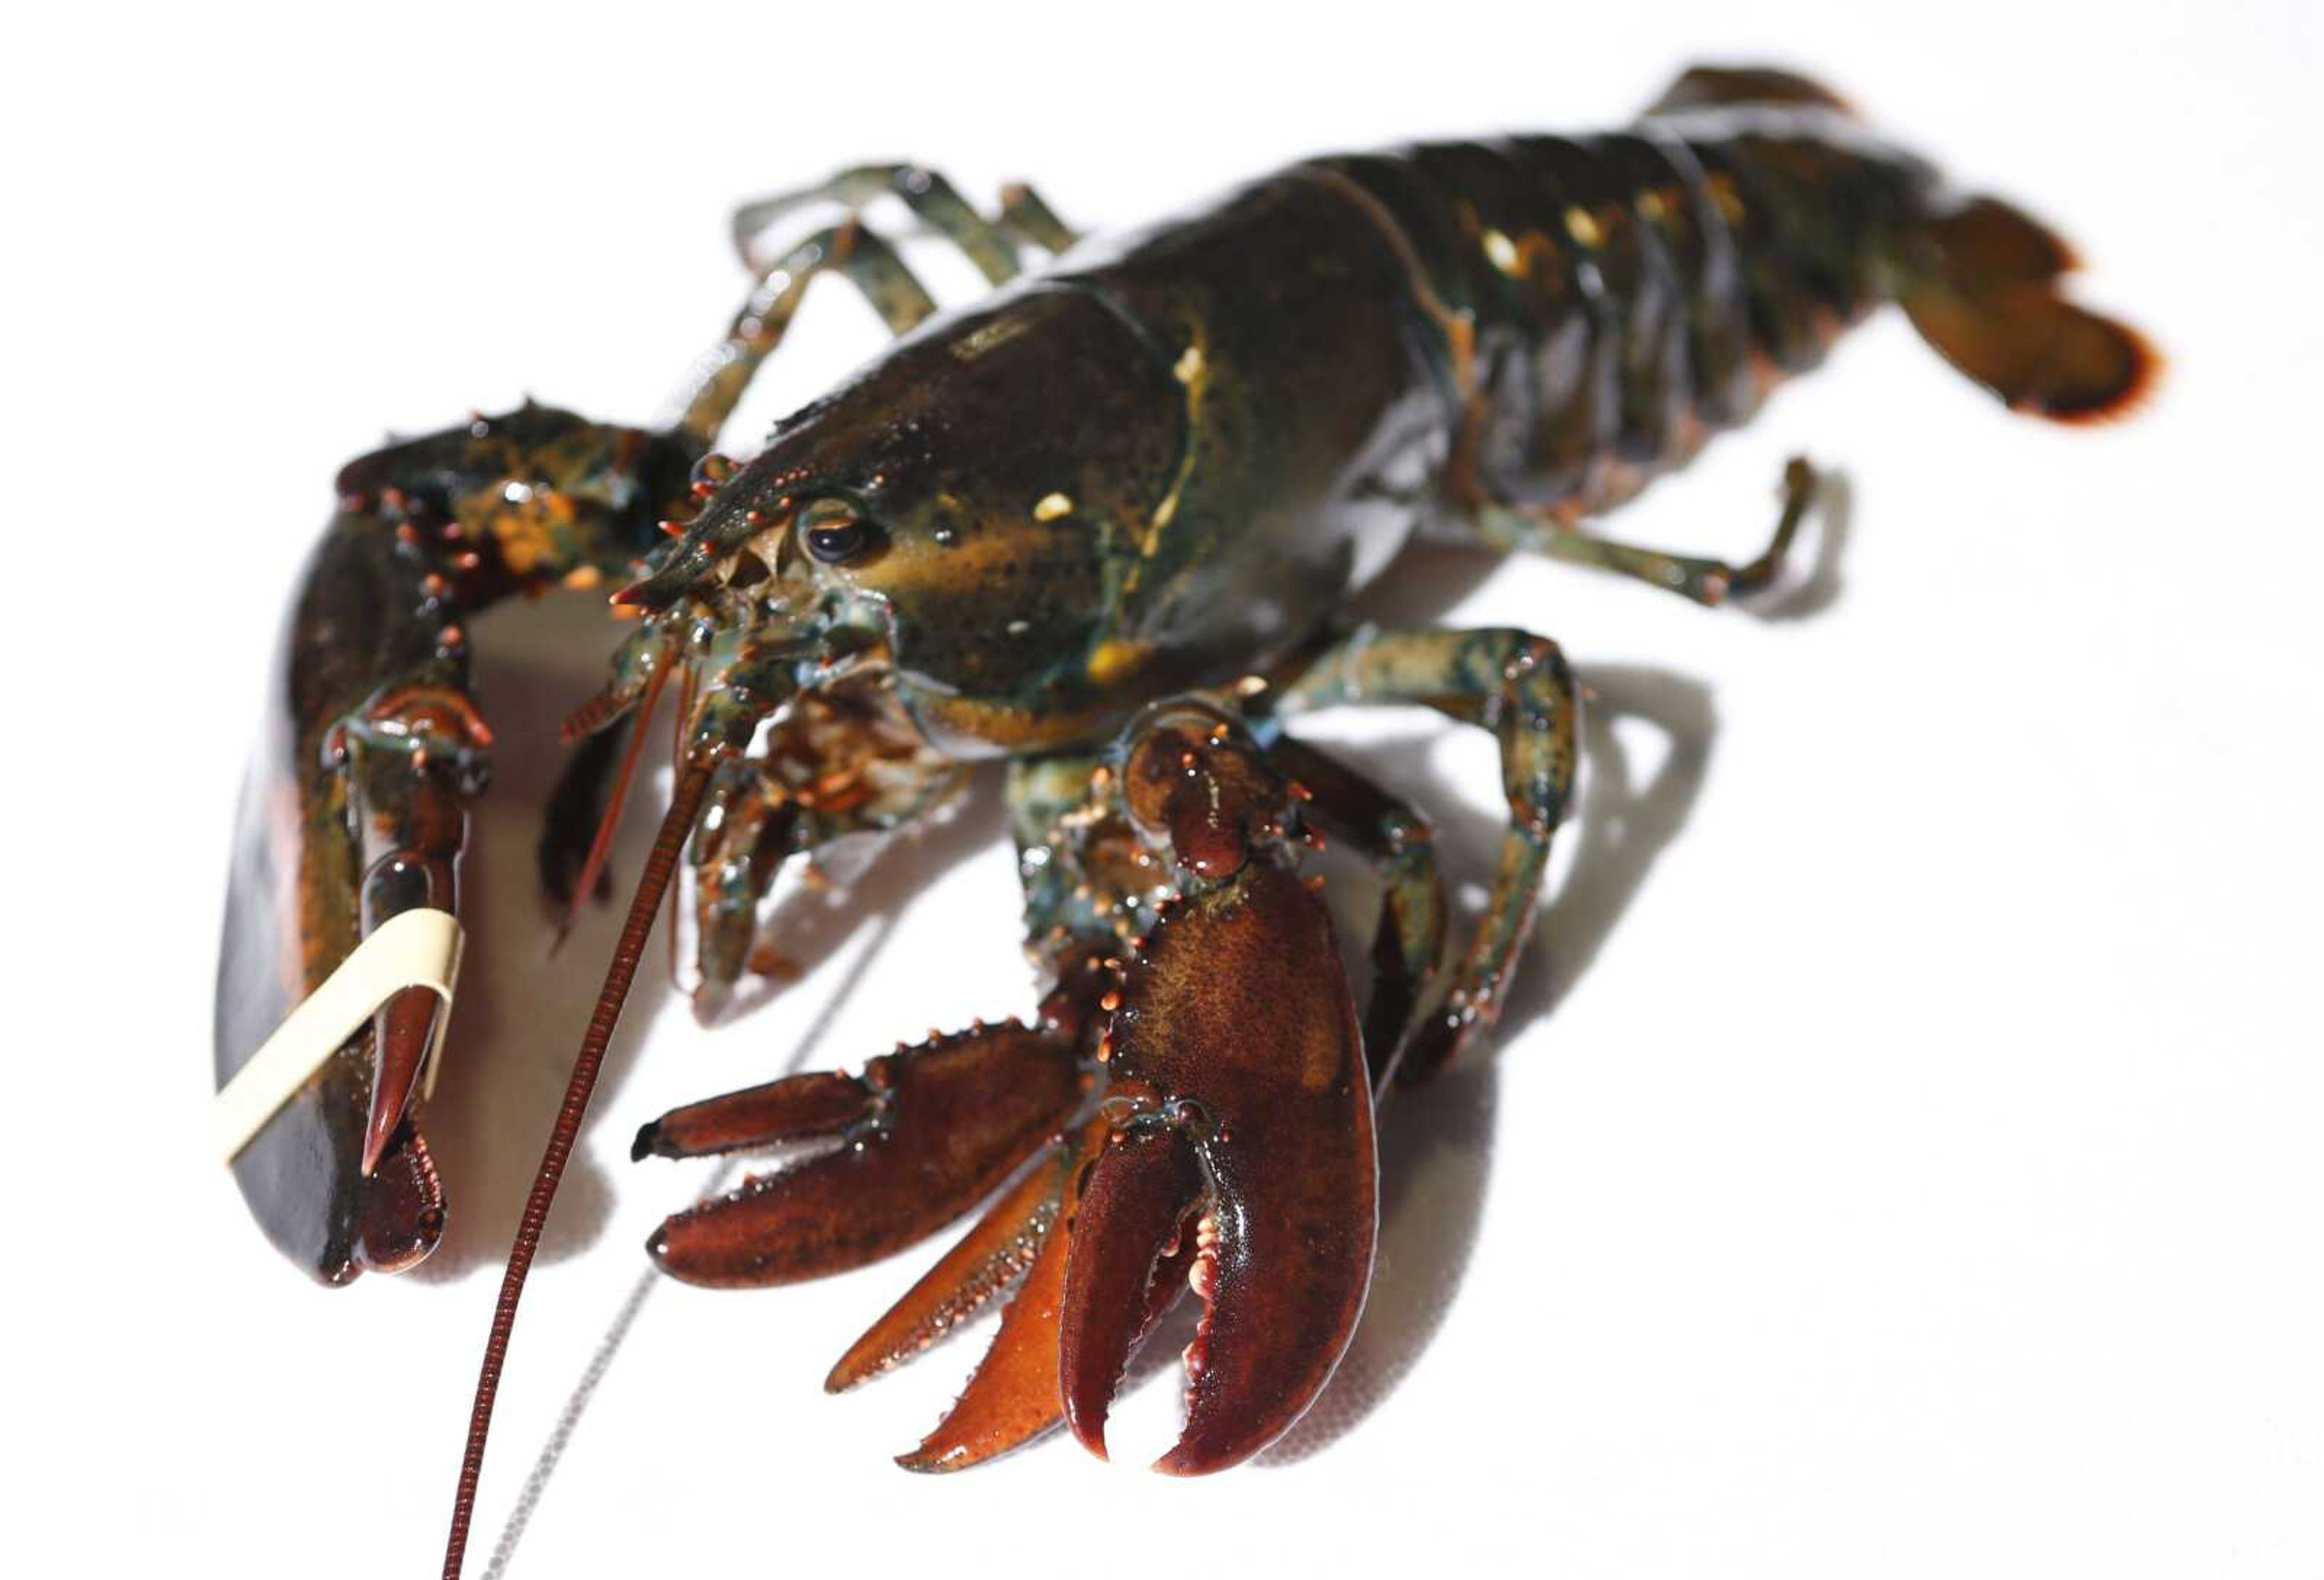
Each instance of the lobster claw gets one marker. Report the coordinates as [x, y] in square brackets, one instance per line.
[333, 1199]
[923, 1134]
[353, 812]
[1012, 1397]
[1242, 1117]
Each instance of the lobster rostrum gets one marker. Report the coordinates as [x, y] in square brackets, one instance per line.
[1098, 525]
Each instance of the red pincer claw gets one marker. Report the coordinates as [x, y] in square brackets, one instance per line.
[923, 1135]
[1260, 1141]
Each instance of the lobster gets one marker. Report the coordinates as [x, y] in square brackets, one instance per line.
[1098, 526]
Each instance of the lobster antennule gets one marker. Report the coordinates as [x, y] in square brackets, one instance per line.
[661, 864]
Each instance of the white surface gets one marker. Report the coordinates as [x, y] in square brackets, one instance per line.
[1922, 1178]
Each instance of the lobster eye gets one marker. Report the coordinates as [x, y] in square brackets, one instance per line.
[833, 532]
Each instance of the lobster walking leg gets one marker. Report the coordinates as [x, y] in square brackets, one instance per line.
[1517, 685]
[990, 244]
[1025, 211]
[859, 255]
[1407, 946]
[1705, 581]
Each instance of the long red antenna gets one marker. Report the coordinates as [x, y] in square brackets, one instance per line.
[661, 862]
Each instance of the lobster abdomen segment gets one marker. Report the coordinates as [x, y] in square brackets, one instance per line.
[1621, 296]
[1630, 292]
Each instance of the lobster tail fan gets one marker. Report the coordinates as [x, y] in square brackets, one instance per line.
[1981, 286]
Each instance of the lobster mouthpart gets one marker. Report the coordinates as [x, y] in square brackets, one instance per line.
[1243, 1119]
[923, 1134]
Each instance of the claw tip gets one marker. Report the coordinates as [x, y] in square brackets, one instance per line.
[1179, 1462]
[920, 1462]
[643, 1145]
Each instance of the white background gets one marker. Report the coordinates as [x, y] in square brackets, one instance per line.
[1904, 1159]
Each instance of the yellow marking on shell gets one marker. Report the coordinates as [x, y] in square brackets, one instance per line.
[1651, 205]
[990, 338]
[1193, 369]
[1723, 193]
[1504, 252]
[526, 524]
[1112, 660]
[1584, 227]
[1053, 506]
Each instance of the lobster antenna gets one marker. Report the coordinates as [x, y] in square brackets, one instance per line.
[661, 862]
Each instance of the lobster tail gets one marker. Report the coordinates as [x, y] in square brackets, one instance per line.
[1982, 286]
[1977, 278]
[1714, 86]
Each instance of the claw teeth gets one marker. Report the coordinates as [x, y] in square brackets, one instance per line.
[1203, 1273]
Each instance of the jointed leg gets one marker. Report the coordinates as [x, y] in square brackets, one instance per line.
[1023, 211]
[1517, 685]
[990, 244]
[861, 256]
[1705, 581]
[855, 252]
[1408, 941]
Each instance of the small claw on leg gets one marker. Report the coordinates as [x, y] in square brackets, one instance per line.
[927, 1132]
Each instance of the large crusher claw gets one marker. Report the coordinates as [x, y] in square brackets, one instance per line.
[1241, 1125]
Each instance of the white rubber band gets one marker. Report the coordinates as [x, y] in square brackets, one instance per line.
[412, 949]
